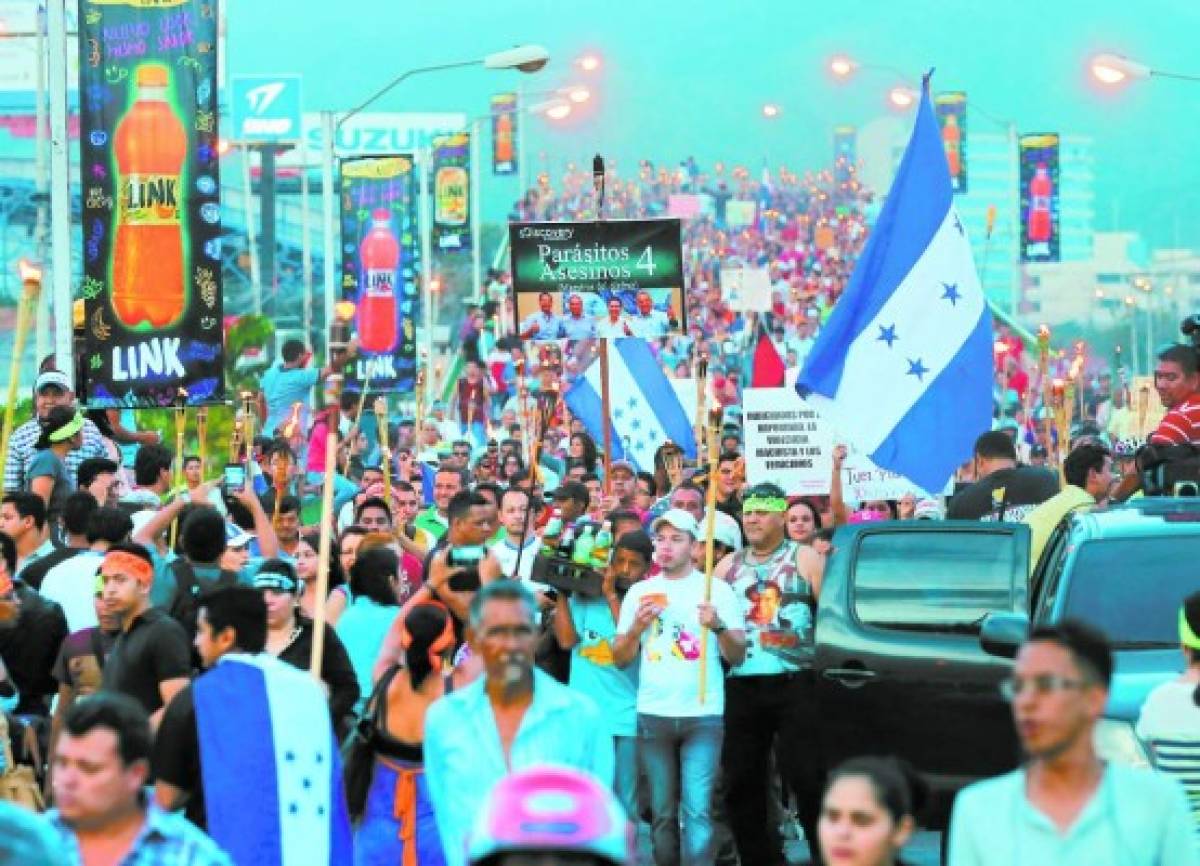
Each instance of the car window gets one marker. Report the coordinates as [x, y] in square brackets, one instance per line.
[933, 581]
[1050, 572]
[1131, 588]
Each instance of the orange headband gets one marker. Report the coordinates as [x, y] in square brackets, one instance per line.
[133, 566]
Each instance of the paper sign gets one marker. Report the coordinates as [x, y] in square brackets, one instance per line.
[747, 290]
[740, 213]
[689, 205]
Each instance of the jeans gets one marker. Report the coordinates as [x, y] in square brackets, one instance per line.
[626, 775]
[762, 713]
[680, 757]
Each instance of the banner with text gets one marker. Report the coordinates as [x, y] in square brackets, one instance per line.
[381, 268]
[844, 152]
[790, 444]
[452, 192]
[951, 110]
[504, 133]
[615, 278]
[1039, 198]
[151, 209]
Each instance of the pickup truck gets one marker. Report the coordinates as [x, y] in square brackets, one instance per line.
[918, 622]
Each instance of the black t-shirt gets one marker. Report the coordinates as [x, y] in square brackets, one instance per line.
[176, 758]
[29, 648]
[1015, 492]
[154, 650]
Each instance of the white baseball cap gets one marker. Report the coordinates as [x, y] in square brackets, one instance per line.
[680, 519]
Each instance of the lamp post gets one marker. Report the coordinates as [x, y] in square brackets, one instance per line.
[524, 58]
[31, 288]
[1111, 70]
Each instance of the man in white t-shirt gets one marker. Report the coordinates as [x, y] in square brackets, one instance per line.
[72, 584]
[515, 518]
[667, 621]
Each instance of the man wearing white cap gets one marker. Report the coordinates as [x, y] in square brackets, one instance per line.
[51, 389]
[667, 620]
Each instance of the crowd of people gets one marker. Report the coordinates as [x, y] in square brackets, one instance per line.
[465, 705]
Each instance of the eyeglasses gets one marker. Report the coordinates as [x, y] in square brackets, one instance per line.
[1042, 685]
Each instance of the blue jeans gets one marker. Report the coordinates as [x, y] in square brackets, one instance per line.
[626, 775]
[680, 759]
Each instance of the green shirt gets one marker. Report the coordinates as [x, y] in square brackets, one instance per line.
[432, 522]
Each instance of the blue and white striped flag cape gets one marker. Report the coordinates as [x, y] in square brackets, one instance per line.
[645, 409]
[903, 368]
[272, 773]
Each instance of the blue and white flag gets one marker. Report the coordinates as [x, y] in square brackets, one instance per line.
[903, 368]
[268, 757]
[646, 411]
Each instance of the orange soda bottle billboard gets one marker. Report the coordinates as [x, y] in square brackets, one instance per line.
[951, 111]
[1039, 195]
[504, 133]
[147, 261]
[380, 257]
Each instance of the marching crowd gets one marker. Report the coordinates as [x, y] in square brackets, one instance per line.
[514, 648]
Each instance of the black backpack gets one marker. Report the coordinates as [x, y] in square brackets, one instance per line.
[188, 589]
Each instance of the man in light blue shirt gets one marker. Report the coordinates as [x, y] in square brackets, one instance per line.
[544, 324]
[648, 323]
[290, 381]
[577, 325]
[512, 718]
[1066, 805]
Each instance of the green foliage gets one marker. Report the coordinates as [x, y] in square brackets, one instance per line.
[248, 332]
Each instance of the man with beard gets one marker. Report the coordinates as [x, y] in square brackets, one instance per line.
[587, 627]
[511, 718]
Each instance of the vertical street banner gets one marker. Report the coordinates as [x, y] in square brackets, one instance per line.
[951, 111]
[504, 134]
[151, 209]
[844, 152]
[380, 268]
[452, 192]
[1039, 197]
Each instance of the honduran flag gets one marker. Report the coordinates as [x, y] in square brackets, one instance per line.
[272, 774]
[903, 367]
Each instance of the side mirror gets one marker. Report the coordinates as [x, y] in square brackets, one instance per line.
[1003, 633]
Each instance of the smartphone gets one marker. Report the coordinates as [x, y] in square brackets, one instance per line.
[465, 556]
[233, 477]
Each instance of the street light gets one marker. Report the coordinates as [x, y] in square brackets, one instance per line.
[555, 109]
[1115, 69]
[578, 94]
[771, 111]
[842, 66]
[588, 62]
[903, 97]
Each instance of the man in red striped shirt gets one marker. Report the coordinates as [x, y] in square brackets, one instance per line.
[1177, 379]
[1178, 384]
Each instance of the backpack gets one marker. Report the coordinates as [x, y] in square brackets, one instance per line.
[188, 588]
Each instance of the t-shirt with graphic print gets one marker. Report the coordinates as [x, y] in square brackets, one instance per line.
[669, 676]
[777, 612]
[593, 671]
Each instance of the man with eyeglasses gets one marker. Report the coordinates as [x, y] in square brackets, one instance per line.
[1066, 805]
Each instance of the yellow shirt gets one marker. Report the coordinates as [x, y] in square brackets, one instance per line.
[1043, 519]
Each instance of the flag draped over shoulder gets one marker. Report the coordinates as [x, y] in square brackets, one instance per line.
[645, 409]
[903, 368]
[272, 774]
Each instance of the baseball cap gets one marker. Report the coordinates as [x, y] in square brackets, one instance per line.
[726, 531]
[679, 519]
[53, 377]
[235, 536]
[623, 465]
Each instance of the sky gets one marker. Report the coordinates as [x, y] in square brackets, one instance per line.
[689, 77]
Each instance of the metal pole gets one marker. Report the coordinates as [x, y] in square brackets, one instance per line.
[424, 216]
[251, 234]
[476, 205]
[327, 203]
[1014, 301]
[60, 193]
[305, 245]
[522, 158]
[266, 201]
[41, 184]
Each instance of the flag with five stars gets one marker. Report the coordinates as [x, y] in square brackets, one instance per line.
[903, 368]
[645, 410]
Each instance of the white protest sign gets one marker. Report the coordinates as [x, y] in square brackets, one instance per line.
[747, 290]
[788, 443]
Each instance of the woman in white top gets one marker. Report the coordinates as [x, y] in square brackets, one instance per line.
[1170, 718]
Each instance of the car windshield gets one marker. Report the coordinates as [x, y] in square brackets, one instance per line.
[1131, 588]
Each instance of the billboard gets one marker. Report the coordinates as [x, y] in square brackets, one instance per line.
[451, 169]
[504, 133]
[151, 211]
[266, 109]
[1039, 197]
[951, 111]
[565, 276]
[381, 268]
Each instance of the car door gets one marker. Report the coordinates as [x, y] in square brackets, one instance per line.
[898, 663]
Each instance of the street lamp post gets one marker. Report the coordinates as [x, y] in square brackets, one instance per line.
[1113, 69]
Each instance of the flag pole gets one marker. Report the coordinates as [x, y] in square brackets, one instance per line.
[710, 524]
[604, 413]
[327, 520]
[701, 391]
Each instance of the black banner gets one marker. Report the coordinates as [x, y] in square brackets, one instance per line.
[504, 133]
[452, 192]
[381, 268]
[151, 202]
[1039, 198]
